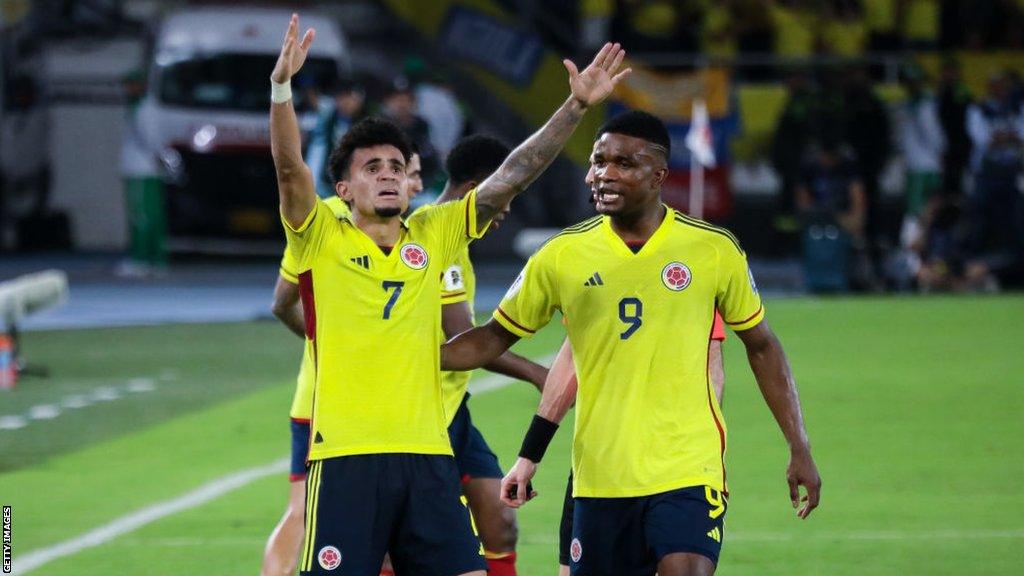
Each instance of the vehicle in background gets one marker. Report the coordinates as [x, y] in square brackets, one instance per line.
[203, 121]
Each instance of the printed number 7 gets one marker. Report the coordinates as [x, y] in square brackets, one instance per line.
[633, 319]
[388, 285]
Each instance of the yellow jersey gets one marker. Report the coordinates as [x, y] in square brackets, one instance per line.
[302, 400]
[374, 320]
[458, 284]
[647, 420]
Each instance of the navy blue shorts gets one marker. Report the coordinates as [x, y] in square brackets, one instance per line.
[565, 526]
[629, 536]
[473, 457]
[300, 449]
[358, 507]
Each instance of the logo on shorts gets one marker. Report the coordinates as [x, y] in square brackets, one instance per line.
[676, 276]
[329, 557]
[576, 550]
[414, 256]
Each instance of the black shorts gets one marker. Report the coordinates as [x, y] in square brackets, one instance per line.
[473, 457]
[565, 527]
[358, 507]
[629, 536]
[300, 449]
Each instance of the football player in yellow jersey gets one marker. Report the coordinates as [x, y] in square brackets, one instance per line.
[470, 161]
[381, 474]
[649, 438]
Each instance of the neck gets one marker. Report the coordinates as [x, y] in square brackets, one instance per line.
[640, 226]
[383, 231]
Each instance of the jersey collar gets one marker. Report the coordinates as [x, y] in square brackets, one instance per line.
[652, 244]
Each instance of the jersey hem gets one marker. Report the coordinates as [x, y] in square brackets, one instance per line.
[427, 449]
[288, 276]
[749, 322]
[634, 492]
[305, 223]
[454, 297]
[511, 325]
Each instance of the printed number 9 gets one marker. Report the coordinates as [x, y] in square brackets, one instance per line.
[630, 311]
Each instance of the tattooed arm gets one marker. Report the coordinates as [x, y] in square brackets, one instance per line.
[533, 156]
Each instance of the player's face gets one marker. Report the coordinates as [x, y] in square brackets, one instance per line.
[376, 184]
[625, 175]
[414, 176]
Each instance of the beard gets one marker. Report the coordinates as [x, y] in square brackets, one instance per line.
[387, 212]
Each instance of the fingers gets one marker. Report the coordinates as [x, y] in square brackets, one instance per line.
[504, 496]
[619, 55]
[293, 27]
[571, 68]
[812, 498]
[602, 55]
[621, 75]
[794, 491]
[307, 39]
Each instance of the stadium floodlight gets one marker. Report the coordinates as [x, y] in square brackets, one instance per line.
[31, 293]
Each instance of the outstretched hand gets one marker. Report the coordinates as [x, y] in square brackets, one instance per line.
[293, 52]
[598, 80]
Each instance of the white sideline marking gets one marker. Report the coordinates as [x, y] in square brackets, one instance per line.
[139, 518]
[42, 412]
[205, 493]
[12, 422]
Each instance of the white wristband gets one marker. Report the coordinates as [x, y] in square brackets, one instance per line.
[280, 93]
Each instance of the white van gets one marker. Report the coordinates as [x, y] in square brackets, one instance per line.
[203, 121]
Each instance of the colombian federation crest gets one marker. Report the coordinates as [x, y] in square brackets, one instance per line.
[576, 550]
[329, 558]
[413, 255]
[676, 276]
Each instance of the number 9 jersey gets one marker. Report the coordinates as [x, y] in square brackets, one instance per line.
[374, 320]
[640, 323]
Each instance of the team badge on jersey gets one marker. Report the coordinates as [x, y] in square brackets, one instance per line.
[329, 557]
[676, 276]
[576, 550]
[414, 256]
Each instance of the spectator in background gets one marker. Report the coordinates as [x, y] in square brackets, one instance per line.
[865, 127]
[334, 115]
[437, 104]
[953, 100]
[919, 22]
[994, 124]
[657, 25]
[794, 28]
[830, 190]
[845, 29]
[793, 134]
[399, 106]
[880, 21]
[921, 141]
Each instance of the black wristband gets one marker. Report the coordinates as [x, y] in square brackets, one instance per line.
[537, 438]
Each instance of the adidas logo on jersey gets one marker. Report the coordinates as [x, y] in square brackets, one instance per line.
[594, 280]
[715, 534]
[363, 261]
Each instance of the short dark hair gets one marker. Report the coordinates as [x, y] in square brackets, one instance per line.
[366, 133]
[641, 125]
[474, 158]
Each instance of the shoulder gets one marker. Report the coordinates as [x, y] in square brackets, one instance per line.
[570, 236]
[338, 207]
[719, 237]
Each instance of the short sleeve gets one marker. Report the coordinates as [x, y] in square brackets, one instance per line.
[738, 299]
[453, 281]
[532, 299]
[306, 241]
[453, 224]
[289, 267]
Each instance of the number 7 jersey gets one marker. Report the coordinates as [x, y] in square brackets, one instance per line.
[374, 321]
[640, 325]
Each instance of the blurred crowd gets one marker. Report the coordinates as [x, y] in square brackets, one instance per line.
[802, 28]
[963, 157]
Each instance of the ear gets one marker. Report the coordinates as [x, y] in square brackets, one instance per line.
[660, 175]
[342, 190]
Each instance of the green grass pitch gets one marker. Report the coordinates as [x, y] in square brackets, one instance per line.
[914, 407]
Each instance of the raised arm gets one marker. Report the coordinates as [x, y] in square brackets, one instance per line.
[774, 377]
[457, 318]
[533, 156]
[294, 179]
[477, 347]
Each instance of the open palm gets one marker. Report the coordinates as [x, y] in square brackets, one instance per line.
[293, 53]
[598, 80]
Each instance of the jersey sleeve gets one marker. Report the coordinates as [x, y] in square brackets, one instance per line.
[306, 241]
[453, 281]
[532, 299]
[738, 299]
[453, 224]
[718, 328]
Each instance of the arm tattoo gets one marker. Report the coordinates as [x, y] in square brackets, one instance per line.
[528, 160]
